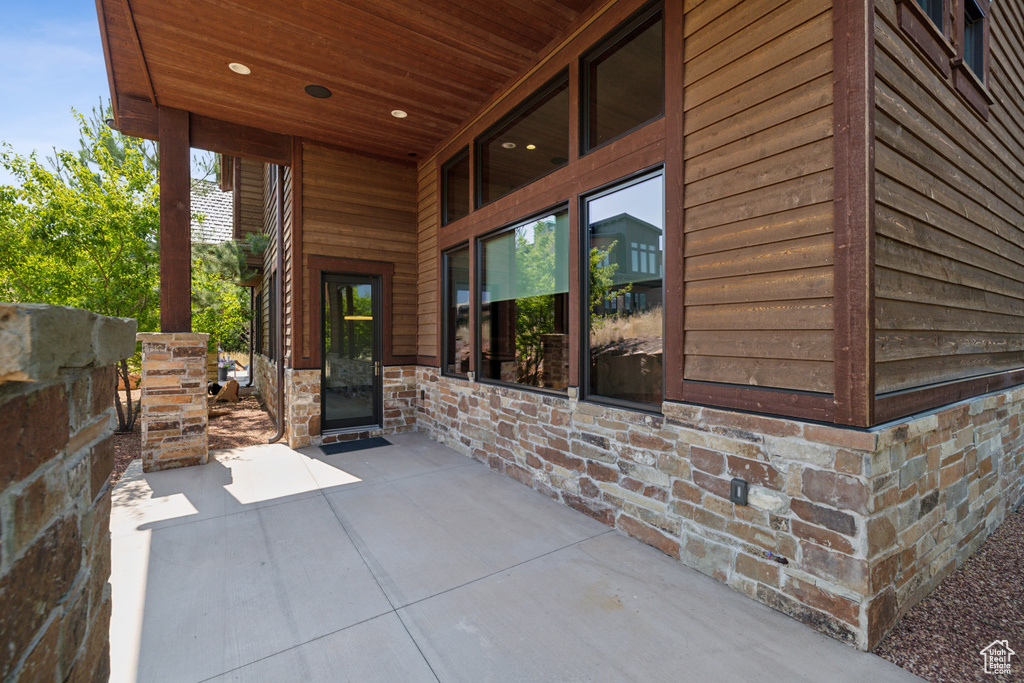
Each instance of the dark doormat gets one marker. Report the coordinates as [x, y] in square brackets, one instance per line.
[355, 445]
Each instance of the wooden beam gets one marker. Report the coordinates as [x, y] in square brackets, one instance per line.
[673, 257]
[175, 222]
[854, 211]
[240, 141]
[130, 19]
[140, 119]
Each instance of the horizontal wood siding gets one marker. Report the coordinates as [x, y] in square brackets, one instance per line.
[356, 207]
[270, 255]
[427, 298]
[949, 276]
[251, 197]
[758, 175]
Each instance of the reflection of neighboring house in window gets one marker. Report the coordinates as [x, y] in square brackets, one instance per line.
[638, 254]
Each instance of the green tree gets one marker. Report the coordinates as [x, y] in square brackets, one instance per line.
[83, 236]
[602, 272]
[220, 307]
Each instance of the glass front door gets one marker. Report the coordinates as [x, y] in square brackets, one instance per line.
[350, 387]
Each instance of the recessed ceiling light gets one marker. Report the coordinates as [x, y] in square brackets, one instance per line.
[398, 114]
[318, 91]
[531, 147]
[508, 145]
[240, 68]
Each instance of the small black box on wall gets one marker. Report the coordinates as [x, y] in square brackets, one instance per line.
[738, 491]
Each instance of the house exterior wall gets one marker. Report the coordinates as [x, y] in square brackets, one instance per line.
[270, 257]
[747, 147]
[758, 190]
[949, 219]
[265, 381]
[302, 407]
[867, 522]
[360, 209]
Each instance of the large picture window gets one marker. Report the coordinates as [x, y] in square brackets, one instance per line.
[530, 142]
[624, 80]
[624, 291]
[456, 321]
[524, 303]
[455, 187]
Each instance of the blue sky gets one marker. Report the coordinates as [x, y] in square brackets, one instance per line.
[51, 60]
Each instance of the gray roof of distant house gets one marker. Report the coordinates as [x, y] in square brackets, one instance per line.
[217, 210]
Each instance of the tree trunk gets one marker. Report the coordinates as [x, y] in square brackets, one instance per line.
[125, 418]
[121, 422]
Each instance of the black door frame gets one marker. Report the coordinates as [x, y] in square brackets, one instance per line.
[376, 289]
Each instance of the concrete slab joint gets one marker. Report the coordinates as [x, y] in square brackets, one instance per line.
[174, 406]
[844, 529]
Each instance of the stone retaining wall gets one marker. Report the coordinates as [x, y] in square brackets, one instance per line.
[56, 422]
[827, 501]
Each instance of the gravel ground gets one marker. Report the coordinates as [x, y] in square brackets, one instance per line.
[982, 601]
[246, 424]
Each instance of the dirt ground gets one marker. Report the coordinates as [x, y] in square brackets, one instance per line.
[246, 424]
[941, 637]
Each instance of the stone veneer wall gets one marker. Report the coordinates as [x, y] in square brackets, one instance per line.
[941, 484]
[302, 400]
[174, 406]
[56, 418]
[266, 382]
[867, 522]
[302, 403]
[401, 403]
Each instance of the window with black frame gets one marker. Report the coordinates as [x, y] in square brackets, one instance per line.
[974, 38]
[625, 247]
[524, 303]
[455, 187]
[530, 142]
[934, 9]
[456, 321]
[624, 79]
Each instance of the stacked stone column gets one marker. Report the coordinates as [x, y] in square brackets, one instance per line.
[174, 406]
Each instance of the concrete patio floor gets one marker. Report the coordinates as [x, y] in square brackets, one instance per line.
[414, 563]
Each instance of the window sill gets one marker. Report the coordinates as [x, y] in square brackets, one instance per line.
[972, 89]
[928, 38]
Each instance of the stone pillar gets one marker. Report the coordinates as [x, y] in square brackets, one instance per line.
[56, 454]
[174, 405]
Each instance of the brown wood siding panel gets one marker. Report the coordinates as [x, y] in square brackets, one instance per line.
[363, 209]
[251, 197]
[949, 217]
[758, 194]
[427, 260]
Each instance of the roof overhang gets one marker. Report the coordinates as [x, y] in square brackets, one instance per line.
[440, 61]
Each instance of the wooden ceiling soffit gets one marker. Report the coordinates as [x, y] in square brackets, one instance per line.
[140, 119]
[587, 16]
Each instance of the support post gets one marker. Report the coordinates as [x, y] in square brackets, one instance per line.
[175, 222]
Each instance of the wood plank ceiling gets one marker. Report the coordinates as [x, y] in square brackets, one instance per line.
[438, 60]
